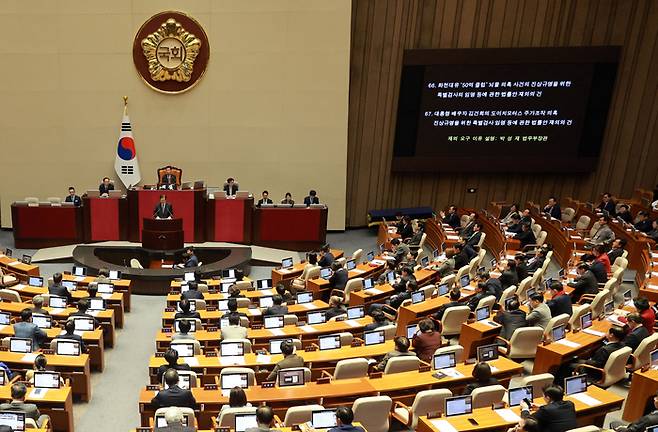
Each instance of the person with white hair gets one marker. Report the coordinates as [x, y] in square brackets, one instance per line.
[174, 418]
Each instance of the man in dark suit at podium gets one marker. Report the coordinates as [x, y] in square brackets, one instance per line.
[163, 210]
[264, 200]
[105, 187]
[312, 198]
[168, 179]
[230, 187]
[73, 198]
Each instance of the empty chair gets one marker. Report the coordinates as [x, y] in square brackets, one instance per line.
[425, 402]
[523, 343]
[7, 279]
[538, 382]
[373, 412]
[300, 282]
[488, 395]
[357, 255]
[481, 254]
[297, 415]
[507, 293]
[346, 338]
[389, 331]
[448, 280]
[487, 301]
[457, 349]
[596, 301]
[472, 267]
[541, 238]
[251, 375]
[522, 290]
[227, 416]
[290, 319]
[188, 414]
[352, 285]
[614, 369]
[481, 241]
[244, 285]
[341, 261]
[9, 295]
[197, 345]
[32, 201]
[641, 354]
[199, 304]
[401, 364]
[583, 222]
[620, 262]
[578, 311]
[351, 368]
[537, 278]
[134, 263]
[243, 302]
[567, 214]
[54, 201]
[428, 290]
[462, 271]
[556, 321]
[453, 318]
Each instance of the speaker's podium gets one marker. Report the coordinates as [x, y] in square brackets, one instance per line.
[162, 234]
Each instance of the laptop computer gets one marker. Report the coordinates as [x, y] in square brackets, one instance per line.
[417, 296]
[304, 297]
[355, 312]
[273, 321]
[317, 317]
[286, 263]
[14, 419]
[244, 422]
[575, 384]
[558, 333]
[444, 361]
[67, 347]
[458, 405]
[36, 281]
[20, 345]
[47, 379]
[323, 419]
[275, 345]
[231, 380]
[291, 377]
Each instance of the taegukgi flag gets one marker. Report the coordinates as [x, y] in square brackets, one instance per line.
[125, 163]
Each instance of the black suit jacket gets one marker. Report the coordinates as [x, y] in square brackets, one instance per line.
[556, 417]
[614, 254]
[644, 226]
[461, 259]
[525, 238]
[474, 239]
[232, 191]
[535, 264]
[452, 220]
[494, 287]
[560, 305]
[601, 355]
[192, 295]
[76, 200]
[103, 190]
[61, 291]
[510, 320]
[554, 212]
[643, 423]
[508, 278]
[598, 269]
[339, 279]
[165, 367]
[522, 271]
[610, 207]
[326, 260]
[406, 231]
[74, 337]
[634, 337]
[584, 284]
[173, 396]
[311, 200]
[168, 179]
[163, 213]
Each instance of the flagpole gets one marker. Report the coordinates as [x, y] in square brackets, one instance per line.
[125, 105]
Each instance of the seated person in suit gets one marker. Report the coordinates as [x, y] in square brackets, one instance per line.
[287, 199]
[585, 283]
[513, 210]
[426, 340]
[637, 332]
[339, 276]
[615, 340]
[515, 225]
[508, 275]
[57, 289]
[28, 330]
[69, 328]
[174, 419]
[378, 320]
[493, 286]
[455, 295]
[105, 187]
[401, 349]
[103, 276]
[344, 419]
[644, 223]
[73, 198]
[168, 179]
[414, 240]
[526, 424]
[312, 198]
[642, 423]
[400, 250]
[536, 262]
[553, 209]
[37, 303]
[406, 230]
[410, 260]
[475, 236]
[285, 293]
[336, 308]
[511, 318]
[83, 307]
[624, 214]
[451, 218]
[277, 308]
[237, 398]
[265, 419]
[526, 236]
[326, 257]
[230, 187]
[406, 275]
[540, 313]
[174, 395]
[603, 235]
[190, 259]
[600, 256]
[482, 375]
[607, 204]
[557, 415]
[480, 293]
[560, 302]
[163, 210]
[185, 312]
[653, 234]
[290, 359]
[192, 292]
[521, 266]
[617, 249]
[171, 357]
[645, 311]
[18, 392]
[448, 265]
[467, 229]
[461, 257]
[233, 309]
[234, 330]
[396, 300]
[264, 199]
[183, 332]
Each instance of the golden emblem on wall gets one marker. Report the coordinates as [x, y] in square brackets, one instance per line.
[171, 52]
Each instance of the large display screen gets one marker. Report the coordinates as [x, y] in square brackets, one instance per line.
[503, 110]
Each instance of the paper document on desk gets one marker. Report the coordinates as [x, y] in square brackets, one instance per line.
[377, 262]
[266, 292]
[105, 296]
[493, 368]
[29, 358]
[277, 332]
[192, 361]
[508, 415]
[358, 270]
[352, 323]
[13, 263]
[489, 323]
[264, 359]
[3, 326]
[79, 279]
[654, 254]
[567, 342]
[18, 287]
[452, 237]
[452, 373]
[594, 332]
[468, 288]
[284, 271]
[654, 274]
[308, 305]
[307, 329]
[231, 360]
[167, 266]
[254, 312]
[652, 287]
[37, 393]
[586, 399]
[374, 291]
[443, 426]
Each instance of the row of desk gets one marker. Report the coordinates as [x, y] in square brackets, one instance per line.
[205, 218]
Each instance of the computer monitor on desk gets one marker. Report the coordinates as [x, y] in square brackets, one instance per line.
[575, 384]
[459, 405]
[229, 349]
[36, 281]
[318, 317]
[304, 297]
[517, 394]
[230, 380]
[291, 377]
[329, 342]
[14, 419]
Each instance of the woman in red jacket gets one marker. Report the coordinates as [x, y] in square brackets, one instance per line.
[426, 340]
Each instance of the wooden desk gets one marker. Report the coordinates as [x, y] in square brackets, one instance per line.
[285, 275]
[376, 294]
[122, 285]
[477, 333]
[643, 387]
[46, 225]
[402, 386]
[15, 266]
[57, 403]
[75, 368]
[489, 421]
[363, 270]
[386, 233]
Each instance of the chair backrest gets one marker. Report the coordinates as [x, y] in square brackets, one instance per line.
[423, 239]
[134, 263]
[177, 172]
[583, 222]
[620, 262]
[290, 319]
[537, 278]
[341, 261]
[453, 318]
[401, 364]
[194, 381]
[187, 413]
[427, 401]
[428, 290]
[615, 367]
[450, 280]
[487, 301]
[245, 342]
[54, 201]
[524, 342]
[373, 412]
[641, 353]
[578, 311]
[243, 302]
[536, 230]
[488, 395]
[346, 338]
[9, 295]
[567, 214]
[457, 349]
[389, 331]
[351, 368]
[547, 261]
[462, 271]
[507, 293]
[598, 302]
[200, 304]
[473, 266]
[202, 287]
[352, 285]
[624, 254]
[538, 382]
[556, 321]
[297, 415]
[611, 285]
[482, 237]
[594, 229]
[481, 254]
[313, 273]
[32, 201]
[357, 255]
[244, 285]
[541, 238]
[251, 375]
[227, 416]
[197, 345]
[522, 290]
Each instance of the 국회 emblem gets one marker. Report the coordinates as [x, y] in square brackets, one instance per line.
[171, 52]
